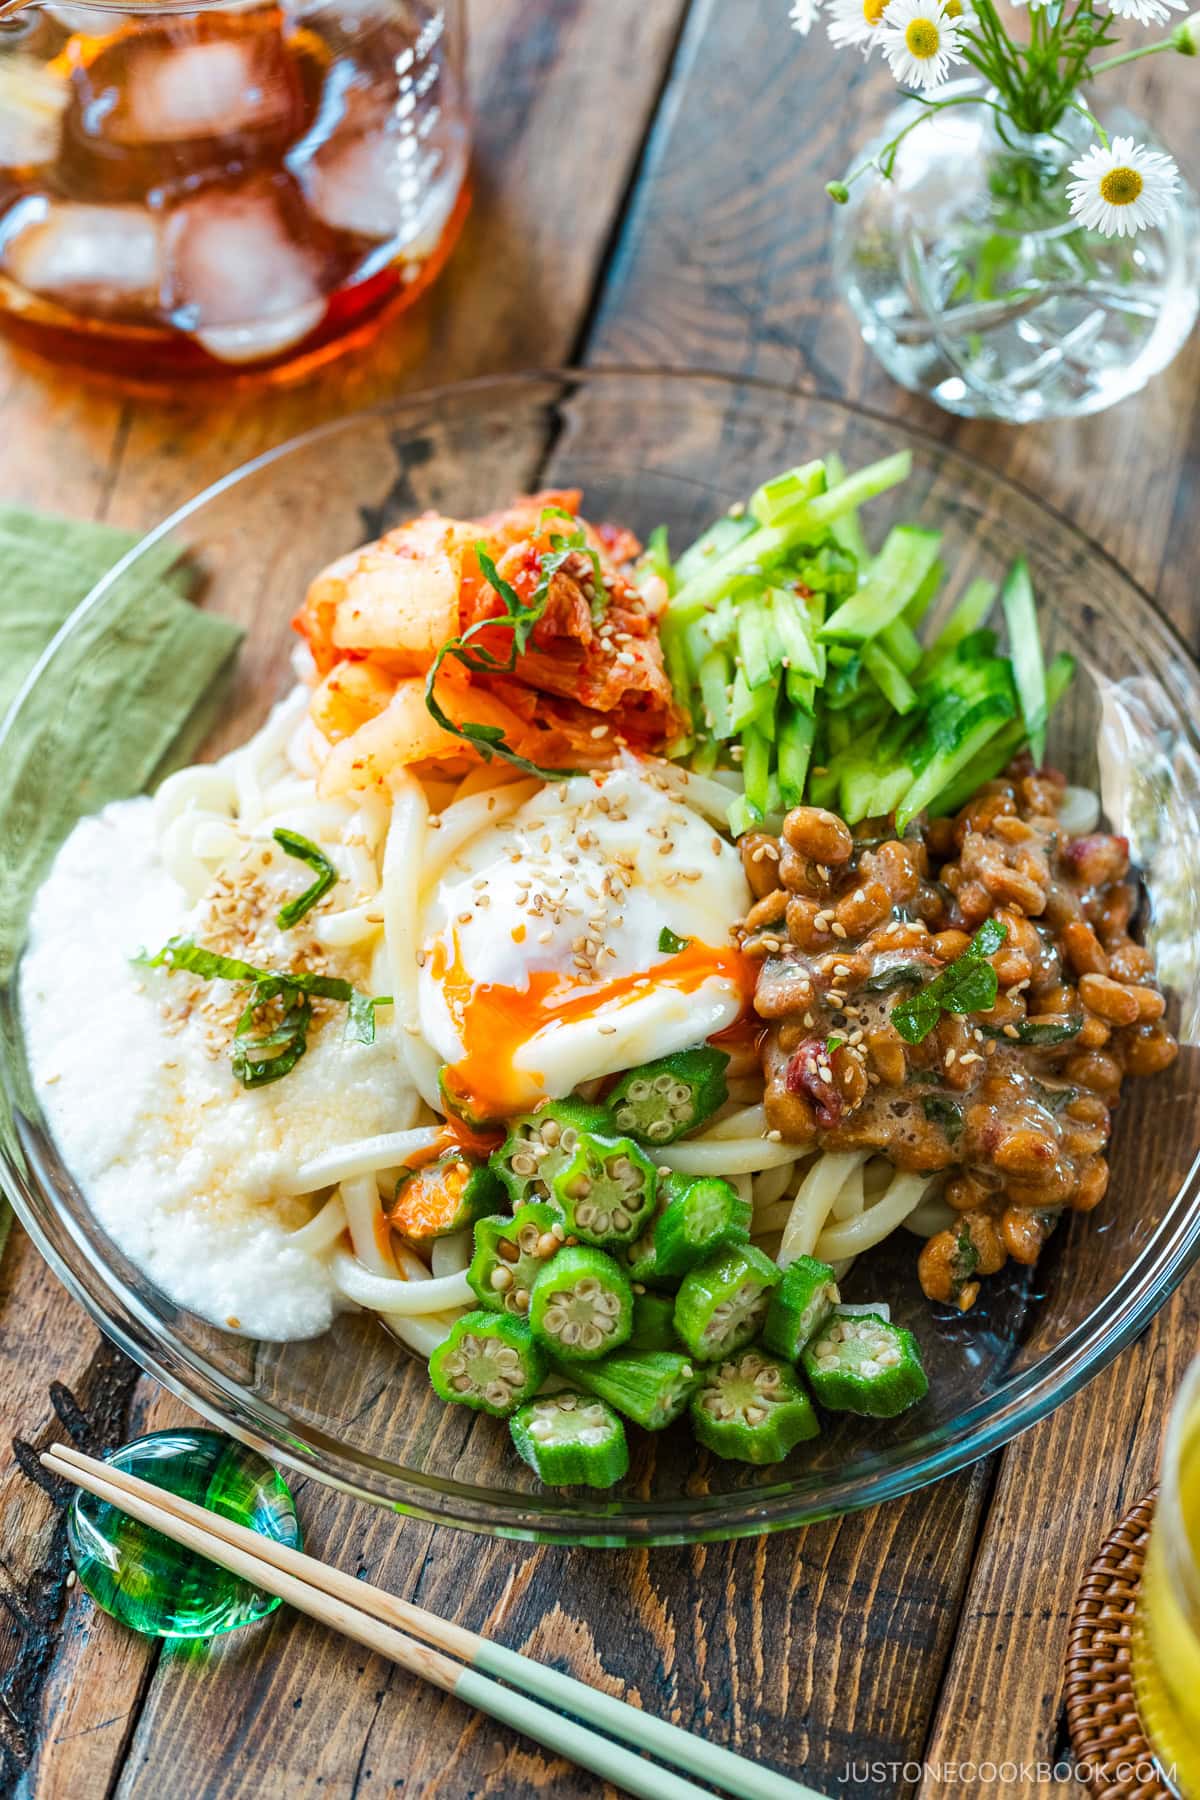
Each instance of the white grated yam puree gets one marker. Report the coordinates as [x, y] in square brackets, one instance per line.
[181, 1165]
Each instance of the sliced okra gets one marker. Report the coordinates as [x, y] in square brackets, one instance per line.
[607, 1190]
[660, 1101]
[700, 1217]
[651, 1387]
[800, 1306]
[862, 1364]
[489, 1362]
[445, 1196]
[571, 1440]
[641, 1263]
[752, 1409]
[541, 1143]
[510, 1254]
[582, 1304]
[653, 1322]
[721, 1305]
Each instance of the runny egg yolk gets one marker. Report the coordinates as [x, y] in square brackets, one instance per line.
[495, 1022]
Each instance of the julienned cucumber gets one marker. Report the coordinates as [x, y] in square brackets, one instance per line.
[796, 655]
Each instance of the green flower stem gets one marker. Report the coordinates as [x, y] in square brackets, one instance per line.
[1128, 56]
[888, 153]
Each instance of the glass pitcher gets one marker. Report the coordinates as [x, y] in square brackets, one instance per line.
[226, 187]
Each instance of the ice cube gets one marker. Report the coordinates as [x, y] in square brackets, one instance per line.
[160, 108]
[32, 102]
[246, 272]
[102, 258]
[380, 184]
[201, 78]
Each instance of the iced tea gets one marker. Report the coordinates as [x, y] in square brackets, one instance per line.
[240, 186]
[1166, 1648]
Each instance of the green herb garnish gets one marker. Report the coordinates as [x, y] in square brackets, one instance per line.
[968, 985]
[833, 1043]
[944, 1112]
[305, 851]
[519, 619]
[669, 944]
[260, 1055]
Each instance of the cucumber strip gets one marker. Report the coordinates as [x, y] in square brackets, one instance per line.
[1025, 648]
[793, 749]
[822, 786]
[760, 647]
[846, 531]
[756, 768]
[801, 523]
[944, 765]
[679, 674]
[857, 784]
[775, 497]
[714, 677]
[902, 644]
[743, 817]
[722, 535]
[887, 793]
[889, 678]
[968, 615]
[704, 759]
[925, 596]
[801, 691]
[751, 706]
[997, 755]
[896, 574]
[796, 630]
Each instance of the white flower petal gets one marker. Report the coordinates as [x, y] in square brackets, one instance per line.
[920, 41]
[803, 15]
[1096, 201]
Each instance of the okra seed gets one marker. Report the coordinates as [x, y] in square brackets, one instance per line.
[755, 1415]
[497, 1392]
[680, 1095]
[540, 1428]
[508, 1250]
[520, 1299]
[621, 1219]
[507, 1358]
[551, 1132]
[608, 1304]
[558, 1233]
[580, 1188]
[454, 1364]
[588, 1287]
[638, 1090]
[659, 1129]
[501, 1279]
[591, 1336]
[663, 1084]
[462, 1384]
[547, 1244]
[869, 1367]
[524, 1164]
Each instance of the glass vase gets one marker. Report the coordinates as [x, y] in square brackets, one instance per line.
[973, 285]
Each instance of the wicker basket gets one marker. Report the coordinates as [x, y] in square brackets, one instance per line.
[1106, 1733]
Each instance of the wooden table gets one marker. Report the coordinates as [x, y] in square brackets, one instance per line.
[649, 189]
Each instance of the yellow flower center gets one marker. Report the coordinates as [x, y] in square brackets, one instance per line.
[954, 9]
[873, 11]
[1121, 187]
[923, 39]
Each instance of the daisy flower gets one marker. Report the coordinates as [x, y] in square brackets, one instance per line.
[1146, 12]
[1120, 190]
[920, 41]
[803, 14]
[855, 22]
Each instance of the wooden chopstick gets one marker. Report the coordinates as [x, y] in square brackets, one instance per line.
[369, 1615]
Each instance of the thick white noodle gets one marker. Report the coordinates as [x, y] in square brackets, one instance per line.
[451, 1255]
[850, 1237]
[814, 1201]
[425, 1332]
[363, 1157]
[323, 1229]
[395, 1295]
[930, 1216]
[746, 1122]
[702, 792]
[724, 1156]
[360, 1197]
[771, 1185]
[851, 1196]
[486, 776]
[343, 930]
[743, 1187]
[407, 841]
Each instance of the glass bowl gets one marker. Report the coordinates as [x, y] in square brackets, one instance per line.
[353, 1408]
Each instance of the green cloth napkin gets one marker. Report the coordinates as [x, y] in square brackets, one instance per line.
[131, 699]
